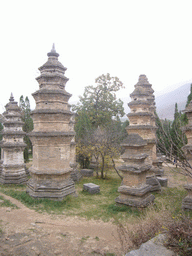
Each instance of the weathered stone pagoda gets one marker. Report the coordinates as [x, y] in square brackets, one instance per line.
[134, 191]
[53, 134]
[13, 169]
[187, 201]
[142, 122]
[141, 117]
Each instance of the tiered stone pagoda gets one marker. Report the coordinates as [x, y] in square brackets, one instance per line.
[142, 122]
[53, 134]
[13, 169]
[141, 117]
[134, 191]
[187, 201]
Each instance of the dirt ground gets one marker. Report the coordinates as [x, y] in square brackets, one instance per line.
[26, 232]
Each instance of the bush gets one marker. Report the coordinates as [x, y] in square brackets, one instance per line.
[179, 233]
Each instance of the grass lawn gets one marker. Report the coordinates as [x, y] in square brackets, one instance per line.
[99, 206]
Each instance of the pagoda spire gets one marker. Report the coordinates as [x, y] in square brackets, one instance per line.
[53, 48]
[11, 97]
[53, 52]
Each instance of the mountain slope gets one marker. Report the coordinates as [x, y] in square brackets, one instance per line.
[165, 103]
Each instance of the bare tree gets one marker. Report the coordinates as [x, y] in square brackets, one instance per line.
[104, 145]
[171, 142]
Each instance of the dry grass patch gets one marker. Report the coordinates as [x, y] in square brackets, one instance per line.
[175, 178]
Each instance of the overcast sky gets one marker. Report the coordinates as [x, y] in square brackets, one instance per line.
[125, 38]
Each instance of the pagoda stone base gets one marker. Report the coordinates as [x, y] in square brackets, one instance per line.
[75, 173]
[187, 201]
[1, 162]
[159, 172]
[135, 196]
[154, 183]
[54, 187]
[13, 175]
[163, 181]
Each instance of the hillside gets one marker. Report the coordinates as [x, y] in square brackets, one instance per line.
[165, 103]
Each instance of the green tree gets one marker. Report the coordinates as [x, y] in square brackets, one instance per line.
[82, 124]
[99, 129]
[100, 102]
[170, 141]
[28, 123]
[163, 136]
[170, 136]
[177, 135]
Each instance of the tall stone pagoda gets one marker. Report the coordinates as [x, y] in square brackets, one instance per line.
[142, 122]
[141, 117]
[13, 169]
[187, 201]
[53, 134]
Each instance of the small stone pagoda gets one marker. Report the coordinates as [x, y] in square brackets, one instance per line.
[53, 134]
[134, 191]
[187, 201]
[142, 122]
[13, 169]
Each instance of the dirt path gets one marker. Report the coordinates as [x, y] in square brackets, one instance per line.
[26, 232]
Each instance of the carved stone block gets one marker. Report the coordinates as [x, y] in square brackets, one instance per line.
[91, 188]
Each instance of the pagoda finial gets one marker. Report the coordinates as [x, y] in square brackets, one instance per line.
[53, 48]
[53, 52]
[11, 97]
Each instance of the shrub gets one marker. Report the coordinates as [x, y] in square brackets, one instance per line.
[179, 233]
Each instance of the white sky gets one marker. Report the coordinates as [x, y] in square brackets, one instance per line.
[125, 38]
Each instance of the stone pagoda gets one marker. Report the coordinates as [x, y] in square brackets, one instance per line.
[141, 117]
[53, 134]
[134, 191]
[187, 201]
[13, 169]
[142, 122]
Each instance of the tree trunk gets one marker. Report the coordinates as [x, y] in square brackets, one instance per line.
[116, 169]
[102, 167]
